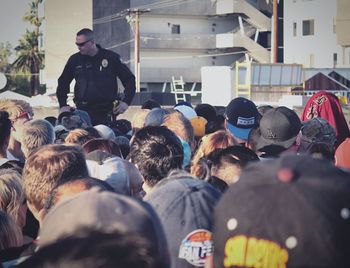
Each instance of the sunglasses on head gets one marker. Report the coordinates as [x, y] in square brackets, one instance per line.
[23, 115]
[83, 43]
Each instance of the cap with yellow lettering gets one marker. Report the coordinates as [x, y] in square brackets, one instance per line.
[290, 212]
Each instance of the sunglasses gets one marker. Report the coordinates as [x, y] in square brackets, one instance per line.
[23, 115]
[83, 43]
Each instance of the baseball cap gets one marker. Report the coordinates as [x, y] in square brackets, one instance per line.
[185, 206]
[317, 130]
[241, 115]
[105, 132]
[278, 127]
[155, 117]
[105, 211]
[187, 111]
[293, 211]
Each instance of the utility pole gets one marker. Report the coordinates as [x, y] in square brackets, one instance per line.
[275, 28]
[136, 13]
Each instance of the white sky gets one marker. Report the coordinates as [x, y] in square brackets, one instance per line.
[12, 26]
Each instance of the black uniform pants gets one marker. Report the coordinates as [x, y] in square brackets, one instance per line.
[100, 113]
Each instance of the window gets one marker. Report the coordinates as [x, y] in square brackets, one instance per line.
[335, 59]
[294, 29]
[308, 27]
[175, 29]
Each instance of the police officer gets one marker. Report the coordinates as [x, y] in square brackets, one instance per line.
[95, 71]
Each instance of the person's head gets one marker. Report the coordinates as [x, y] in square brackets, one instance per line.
[181, 126]
[105, 212]
[10, 234]
[138, 120]
[241, 116]
[70, 120]
[48, 166]
[78, 136]
[5, 131]
[12, 199]
[19, 112]
[104, 145]
[105, 131]
[207, 111]
[150, 104]
[68, 189]
[317, 133]
[289, 211]
[95, 248]
[185, 205]
[85, 42]
[278, 130]
[326, 105]
[227, 164]
[215, 125]
[209, 143]
[52, 120]
[124, 145]
[198, 123]
[155, 117]
[155, 151]
[36, 133]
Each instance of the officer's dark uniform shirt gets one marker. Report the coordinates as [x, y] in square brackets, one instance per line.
[96, 78]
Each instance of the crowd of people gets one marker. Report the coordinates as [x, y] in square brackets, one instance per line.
[251, 186]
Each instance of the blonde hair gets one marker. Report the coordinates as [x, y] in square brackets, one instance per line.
[10, 233]
[36, 133]
[138, 120]
[78, 136]
[48, 166]
[15, 107]
[218, 140]
[11, 192]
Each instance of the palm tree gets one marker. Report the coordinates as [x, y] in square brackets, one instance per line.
[30, 59]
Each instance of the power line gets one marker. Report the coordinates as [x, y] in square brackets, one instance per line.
[157, 5]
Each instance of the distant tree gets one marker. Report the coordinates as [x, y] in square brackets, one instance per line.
[5, 54]
[29, 58]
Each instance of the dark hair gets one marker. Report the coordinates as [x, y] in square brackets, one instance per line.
[5, 126]
[88, 33]
[93, 132]
[92, 248]
[120, 126]
[150, 104]
[156, 150]
[217, 124]
[207, 111]
[124, 145]
[232, 155]
[104, 145]
[51, 119]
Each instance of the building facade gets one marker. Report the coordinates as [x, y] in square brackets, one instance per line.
[316, 33]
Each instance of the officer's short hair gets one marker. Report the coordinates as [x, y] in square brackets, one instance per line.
[88, 33]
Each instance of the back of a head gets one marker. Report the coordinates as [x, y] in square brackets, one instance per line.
[105, 212]
[207, 111]
[180, 125]
[326, 105]
[15, 107]
[78, 136]
[36, 133]
[102, 144]
[227, 164]
[12, 195]
[217, 140]
[155, 151]
[10, 234]
[49, 165]
[150, 104]
[91, 248]
[185, 205]
[277, 211]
